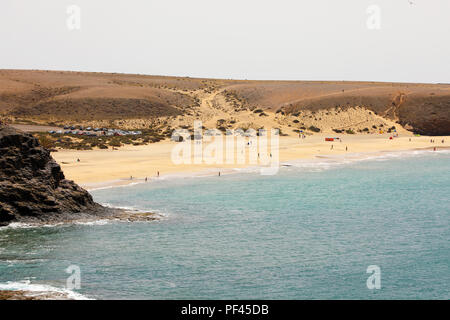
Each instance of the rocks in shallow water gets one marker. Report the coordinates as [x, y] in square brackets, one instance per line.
[32, 295]
[15, 295]
[33, 186]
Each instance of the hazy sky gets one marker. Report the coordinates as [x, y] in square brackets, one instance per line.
[241, 39]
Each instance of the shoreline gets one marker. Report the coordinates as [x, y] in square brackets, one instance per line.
[332, 159]
[132, 164]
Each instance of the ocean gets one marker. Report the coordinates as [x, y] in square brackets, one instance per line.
[309, 232]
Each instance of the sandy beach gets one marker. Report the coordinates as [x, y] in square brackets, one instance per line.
[100, 168]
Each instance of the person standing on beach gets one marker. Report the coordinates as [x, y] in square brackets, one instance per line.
[157, 173]
[346, 148]
[145, 179]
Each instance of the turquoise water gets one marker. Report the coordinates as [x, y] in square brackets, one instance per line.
[309, 232]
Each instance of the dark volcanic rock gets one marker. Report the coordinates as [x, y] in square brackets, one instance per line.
[32, 185]
[426, 115]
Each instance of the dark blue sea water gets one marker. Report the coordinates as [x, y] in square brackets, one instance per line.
[309, 232]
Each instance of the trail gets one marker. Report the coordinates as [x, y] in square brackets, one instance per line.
[210, 107]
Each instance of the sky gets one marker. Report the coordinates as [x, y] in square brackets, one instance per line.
[378, 40]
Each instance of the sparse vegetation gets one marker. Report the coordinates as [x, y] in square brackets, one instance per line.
[82, 142]
[314, 129]
[391, 129]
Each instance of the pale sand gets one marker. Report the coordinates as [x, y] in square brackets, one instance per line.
[99, 168]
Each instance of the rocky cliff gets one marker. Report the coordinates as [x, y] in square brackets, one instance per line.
[33, 187]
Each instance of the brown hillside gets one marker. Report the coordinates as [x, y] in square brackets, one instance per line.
[137, 100]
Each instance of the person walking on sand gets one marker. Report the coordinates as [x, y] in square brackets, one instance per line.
[157, 174]
[145, 179]
[331, 147]
[131, 177]
[219, 173]
[346, 148]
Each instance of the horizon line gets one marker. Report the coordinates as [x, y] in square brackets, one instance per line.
[228, 79]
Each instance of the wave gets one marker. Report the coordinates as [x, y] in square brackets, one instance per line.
[100, 222]
[122, 183]
[22, 225]
[111, 185]
[14, 262]
[329, 162]
[44, 291]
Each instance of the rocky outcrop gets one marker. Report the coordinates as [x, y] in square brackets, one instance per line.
[426, 115]
[32, 185]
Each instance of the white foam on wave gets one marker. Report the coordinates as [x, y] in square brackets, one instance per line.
[13, 262]
[100, 222]
[329, 162]
[36, 290]
[254, 169]
[110, 186]
[22, 225]
[123, 183]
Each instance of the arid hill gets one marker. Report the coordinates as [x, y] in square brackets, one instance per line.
[140, 101]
